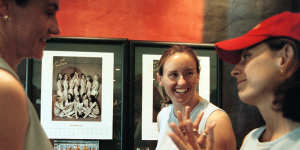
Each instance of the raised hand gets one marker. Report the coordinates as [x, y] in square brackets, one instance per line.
[186, 135]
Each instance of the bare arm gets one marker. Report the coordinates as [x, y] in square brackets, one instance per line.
[13, 113]
[224, 135]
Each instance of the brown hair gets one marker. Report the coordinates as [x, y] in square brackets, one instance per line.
[173, 50]
[287, 94]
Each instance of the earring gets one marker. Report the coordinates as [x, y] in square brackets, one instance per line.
[281, 71]
[5, 18]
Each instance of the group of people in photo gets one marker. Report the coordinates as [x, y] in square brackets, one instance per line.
[77, 96]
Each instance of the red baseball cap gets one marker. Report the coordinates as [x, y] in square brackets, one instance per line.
[285, 24]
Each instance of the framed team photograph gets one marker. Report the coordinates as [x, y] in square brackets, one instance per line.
[150, 98]
[81, 84]
[76, 88]
[77, 94]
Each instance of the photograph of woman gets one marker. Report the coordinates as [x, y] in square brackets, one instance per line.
[178, 74]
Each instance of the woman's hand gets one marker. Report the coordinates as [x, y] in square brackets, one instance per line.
[186, 135]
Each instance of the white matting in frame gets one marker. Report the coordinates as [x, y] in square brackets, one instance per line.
[74, 129]
[149, 128]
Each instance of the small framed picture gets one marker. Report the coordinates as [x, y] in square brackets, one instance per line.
[76, 145]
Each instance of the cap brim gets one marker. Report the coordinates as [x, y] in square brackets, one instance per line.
[228, 50]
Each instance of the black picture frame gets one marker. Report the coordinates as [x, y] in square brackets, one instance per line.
[120, 48]
[138, 49]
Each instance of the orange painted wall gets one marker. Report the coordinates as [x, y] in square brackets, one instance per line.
[154, 20]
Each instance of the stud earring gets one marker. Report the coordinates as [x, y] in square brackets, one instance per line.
[281, 71]
[5, 18]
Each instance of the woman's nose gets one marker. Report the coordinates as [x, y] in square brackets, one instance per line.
[235, 71]
[181, 80]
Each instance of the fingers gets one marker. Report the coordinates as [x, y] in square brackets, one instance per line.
[176, 130]
[197, 121]
[210, 136]
[180, 122]
[179, 116]
[187, 113]
[178, 137]
[191, 136]
[178, 141]
[201, 141]
[186, 135]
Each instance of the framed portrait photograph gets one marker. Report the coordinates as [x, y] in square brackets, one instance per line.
[150, 98]
[82, 89]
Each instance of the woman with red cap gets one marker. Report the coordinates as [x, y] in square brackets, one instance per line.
[267, 60]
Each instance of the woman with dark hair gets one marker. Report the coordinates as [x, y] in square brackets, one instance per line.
[25, 26]
[178, 74]
[267, 60]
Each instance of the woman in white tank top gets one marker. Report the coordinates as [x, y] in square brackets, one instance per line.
[178, 74]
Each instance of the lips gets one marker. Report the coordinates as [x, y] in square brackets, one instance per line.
[239, 82]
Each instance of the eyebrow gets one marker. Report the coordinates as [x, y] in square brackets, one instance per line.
[54, 5]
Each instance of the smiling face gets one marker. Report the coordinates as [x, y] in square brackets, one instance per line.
[31, 25]
[257, 74]
[180, 79]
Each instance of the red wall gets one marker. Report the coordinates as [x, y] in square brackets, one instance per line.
[154, 20]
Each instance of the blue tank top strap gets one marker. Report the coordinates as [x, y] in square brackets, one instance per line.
[207, 112]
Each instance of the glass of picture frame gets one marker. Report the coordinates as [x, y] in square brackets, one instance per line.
[100, 60]
[147, 95]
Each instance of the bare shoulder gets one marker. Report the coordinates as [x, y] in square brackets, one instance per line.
[225, 138]
[10, 86]
[13, 112]
[218, 115]
[221, 119]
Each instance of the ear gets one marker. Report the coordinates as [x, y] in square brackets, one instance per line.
[158, 79]
[286, 58]
[3, 8]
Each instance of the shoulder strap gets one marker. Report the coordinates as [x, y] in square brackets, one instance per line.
[207, 112]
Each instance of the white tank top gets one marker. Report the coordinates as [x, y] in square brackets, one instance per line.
[290, 141]
[166, 116]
